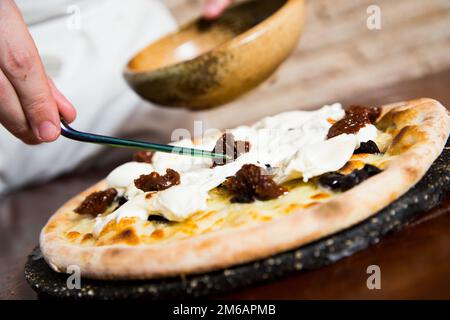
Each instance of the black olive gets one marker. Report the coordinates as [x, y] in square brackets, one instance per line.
[157, 219]
[371, 170]
[121, 201]
[338, 182]
[353, 179]
[242, 198]
[331, 180]
[358, 176]
[368, 147]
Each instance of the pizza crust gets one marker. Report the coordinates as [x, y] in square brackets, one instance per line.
[420, 129]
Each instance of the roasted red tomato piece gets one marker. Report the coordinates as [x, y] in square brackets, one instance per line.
[97, 202]
[156, 182]
[252, 182]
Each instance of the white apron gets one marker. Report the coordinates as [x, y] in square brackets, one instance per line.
[84, 46]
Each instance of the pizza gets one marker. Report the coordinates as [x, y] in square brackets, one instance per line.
[282, 182]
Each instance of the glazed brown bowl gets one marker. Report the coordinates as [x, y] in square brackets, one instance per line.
[208, 63]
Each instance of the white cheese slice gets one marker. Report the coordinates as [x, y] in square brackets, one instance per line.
[189, 199]
[319, 158]
[368, 132]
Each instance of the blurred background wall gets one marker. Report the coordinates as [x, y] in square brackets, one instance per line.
[338, 57]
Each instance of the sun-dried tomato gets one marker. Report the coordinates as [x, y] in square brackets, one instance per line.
[143, 156]
[97, 202]
[251, 182]
[356, 117]
[155, 182]
[229, 147]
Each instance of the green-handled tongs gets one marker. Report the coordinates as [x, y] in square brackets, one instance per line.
[73, 134]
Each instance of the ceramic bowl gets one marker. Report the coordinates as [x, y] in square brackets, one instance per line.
[209, 63]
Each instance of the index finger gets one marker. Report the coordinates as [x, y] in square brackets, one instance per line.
[214, 8]
[20, 62]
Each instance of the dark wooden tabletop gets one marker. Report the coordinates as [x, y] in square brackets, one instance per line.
[414, 263]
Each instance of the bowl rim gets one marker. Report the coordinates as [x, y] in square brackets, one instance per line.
[243, 38]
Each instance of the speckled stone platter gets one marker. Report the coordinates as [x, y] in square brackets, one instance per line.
[424, 196]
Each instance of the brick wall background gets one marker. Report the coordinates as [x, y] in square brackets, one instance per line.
[339, 57]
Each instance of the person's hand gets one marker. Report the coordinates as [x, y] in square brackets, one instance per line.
[214, 8]
[30, 104]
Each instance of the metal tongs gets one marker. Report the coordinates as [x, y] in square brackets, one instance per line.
[73, 134]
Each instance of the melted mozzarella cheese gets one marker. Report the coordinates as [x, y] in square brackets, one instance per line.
[368, 132]
[293, 143]
[319, 158]
[190, 199]
[122, 178]
[137, 207]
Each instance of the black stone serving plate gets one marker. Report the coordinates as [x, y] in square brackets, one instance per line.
[424, 196]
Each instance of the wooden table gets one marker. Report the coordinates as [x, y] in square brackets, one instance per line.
[415, 262]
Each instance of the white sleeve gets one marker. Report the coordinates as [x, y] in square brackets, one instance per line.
[86, 65]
